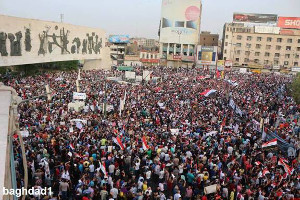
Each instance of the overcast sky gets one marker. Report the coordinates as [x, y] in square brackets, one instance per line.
[139, 17]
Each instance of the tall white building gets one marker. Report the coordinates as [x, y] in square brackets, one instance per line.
[179, 31]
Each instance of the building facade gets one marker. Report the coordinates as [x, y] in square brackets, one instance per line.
[208, 39]
[261, 45]
[179, 31]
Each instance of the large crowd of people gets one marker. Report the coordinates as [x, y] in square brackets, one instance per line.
[188, 135]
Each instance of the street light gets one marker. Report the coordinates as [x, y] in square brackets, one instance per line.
[179, 32]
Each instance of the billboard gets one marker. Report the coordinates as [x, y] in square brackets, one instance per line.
[180, 21]
[266, 29]
[119, 39]
[27, 41]
[289, 22]
[255, 18]
[207, 55]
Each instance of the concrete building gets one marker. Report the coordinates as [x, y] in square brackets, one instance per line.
[208, 39]
[179, 32]
[261, 45]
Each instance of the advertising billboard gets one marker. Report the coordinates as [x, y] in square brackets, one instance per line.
[119, 39]
[206, 55]
[180, 21]
[266, 29]
[255, 18]
[289, 22]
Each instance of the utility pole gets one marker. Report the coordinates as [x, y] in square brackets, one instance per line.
[105, 97]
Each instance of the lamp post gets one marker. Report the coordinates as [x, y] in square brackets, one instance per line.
[179, 32]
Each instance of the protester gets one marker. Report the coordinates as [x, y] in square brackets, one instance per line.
[175, 139]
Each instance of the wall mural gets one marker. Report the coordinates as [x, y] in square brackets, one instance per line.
[49, 42]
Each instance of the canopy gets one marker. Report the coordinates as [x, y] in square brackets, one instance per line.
[125, 68]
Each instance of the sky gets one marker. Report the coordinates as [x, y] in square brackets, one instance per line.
[139, 18]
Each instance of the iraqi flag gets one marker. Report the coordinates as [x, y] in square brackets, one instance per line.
[72, 147]
[265, 171]
[289, 170]
[258, 163]
[208, 92]
[223, 124]
[145, 145]
[118, 141]
[218, 74]
[270, 143]
[103, 169]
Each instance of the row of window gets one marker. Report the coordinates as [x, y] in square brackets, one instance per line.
[267, 54]
[266, 62]
[269, 39]
[155, 56]
[258, 46]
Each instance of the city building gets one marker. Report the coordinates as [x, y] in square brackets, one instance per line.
[149, 58]
[262, 41]
[117, 45]
[208, 39]
[179, 32]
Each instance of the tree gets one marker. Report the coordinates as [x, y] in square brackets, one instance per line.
[295, 87]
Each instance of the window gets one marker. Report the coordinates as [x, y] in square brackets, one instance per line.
[298, 40]
[249, 38]
[226, 36]
[278, 47]
[256, 60]
[247, 53]
[238, 52]
[268, 46]
[238, 44]
[191, 24]
[225, 51]
[179, 23]
[276, 62]
[258, 39]
[269, 39]
[297, 56]
[266, 62]
[287, 55]
[298, 48]
[289, 40]
[248, 45]
[286, 62]
[279, 39]
[258, 46]
[237, 59]
[288, 48]
[166, 23]
[246, 60]
[267, 54]
[296, 64]
[226, 44]
[239, 37]
[257, 53]
[277, 55]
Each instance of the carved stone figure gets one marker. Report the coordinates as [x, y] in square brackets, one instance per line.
[3, 37]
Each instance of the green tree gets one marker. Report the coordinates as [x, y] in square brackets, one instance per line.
[295, 87]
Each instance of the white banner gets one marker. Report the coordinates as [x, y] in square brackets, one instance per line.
[77, 96]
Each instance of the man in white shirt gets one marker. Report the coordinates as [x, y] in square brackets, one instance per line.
[177, 195]
[111, 169]
[114, 192]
